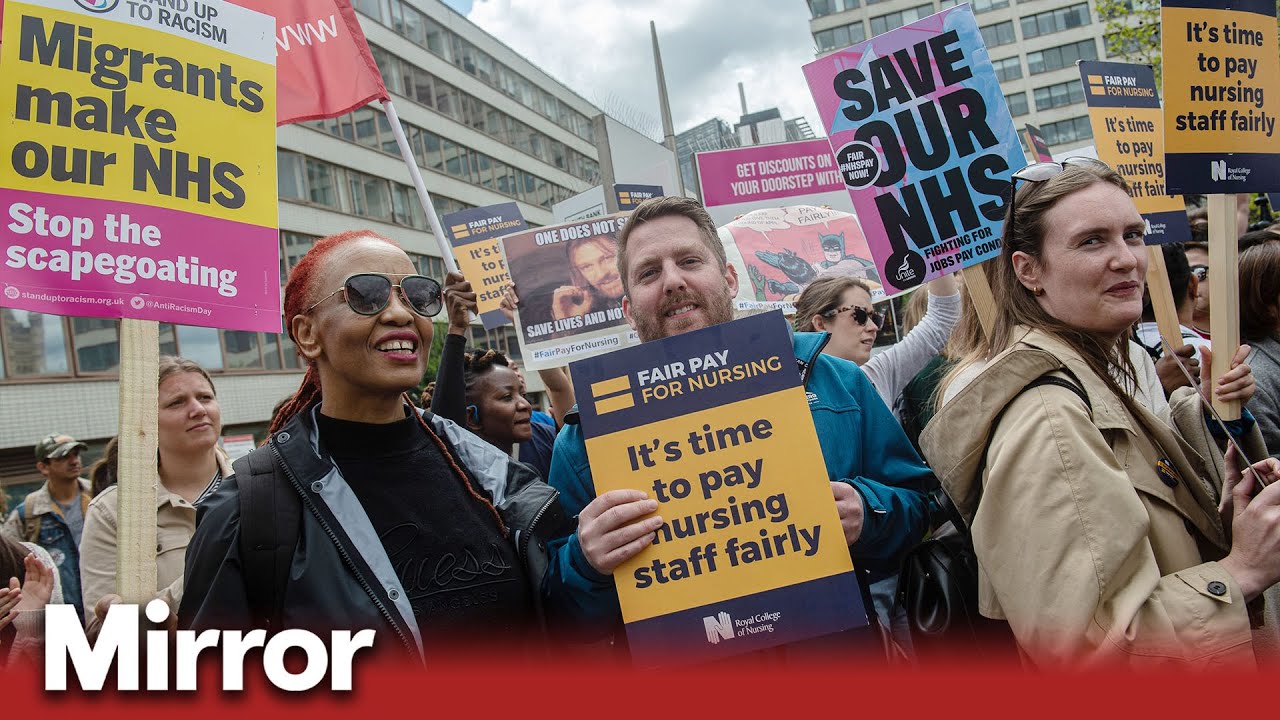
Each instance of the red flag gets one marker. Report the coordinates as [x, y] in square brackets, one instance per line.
[323, 64]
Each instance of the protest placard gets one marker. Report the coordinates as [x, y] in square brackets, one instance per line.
[1039, 146]
[736, 181]
[1127, 122]
[474, 234]
[629, 196]
[714, 424]
[780, 251]
[570, 291]
[1221, 95]
[925, 144]
[123, 197]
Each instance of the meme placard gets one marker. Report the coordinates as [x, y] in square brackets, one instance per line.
[570, 291]
[714, 424]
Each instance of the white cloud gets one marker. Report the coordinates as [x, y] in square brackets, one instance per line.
[602, 50]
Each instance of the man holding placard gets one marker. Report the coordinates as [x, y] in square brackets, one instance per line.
[677, 280]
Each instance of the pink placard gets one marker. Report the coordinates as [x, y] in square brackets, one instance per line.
[93, 258]
[767, 172]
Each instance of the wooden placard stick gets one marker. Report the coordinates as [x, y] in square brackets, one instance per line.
[1224, 292]
[136, 515]
[984, 302]
[1161, 295]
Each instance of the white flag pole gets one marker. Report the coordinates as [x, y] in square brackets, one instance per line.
[423, 196]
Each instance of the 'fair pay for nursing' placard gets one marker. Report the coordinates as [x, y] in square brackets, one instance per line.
[715, 426]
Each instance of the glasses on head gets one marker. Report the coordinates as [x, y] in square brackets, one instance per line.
[1201, 272]
[860, 314]
[370, 293]
[1041, 171]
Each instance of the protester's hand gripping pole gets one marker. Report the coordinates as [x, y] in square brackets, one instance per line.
[423, 196]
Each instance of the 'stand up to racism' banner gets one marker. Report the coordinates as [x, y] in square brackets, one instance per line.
[1124, 111]
[925, 143]
[714, 425]
[570, 291]
[474, 234]
[1221, 95]
[138, 172]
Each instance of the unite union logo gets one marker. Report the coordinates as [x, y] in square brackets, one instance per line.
[98, 6]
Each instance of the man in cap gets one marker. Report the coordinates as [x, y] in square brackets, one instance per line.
[53, 516]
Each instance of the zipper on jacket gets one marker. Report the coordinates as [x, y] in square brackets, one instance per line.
[346, 558]
[807, 365]
[524, 544]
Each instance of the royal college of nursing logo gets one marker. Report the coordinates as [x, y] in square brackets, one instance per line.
[98, 6]
[718, 627]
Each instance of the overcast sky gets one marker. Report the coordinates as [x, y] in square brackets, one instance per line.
[601, 49]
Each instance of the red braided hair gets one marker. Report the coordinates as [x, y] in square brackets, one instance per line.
[297, 298]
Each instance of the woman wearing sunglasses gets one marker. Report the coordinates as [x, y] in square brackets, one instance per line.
[841, 305]
[1100, 537]
[378, 516]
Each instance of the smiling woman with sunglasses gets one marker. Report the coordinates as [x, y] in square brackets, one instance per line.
[360, 511]
[841, 306]
[1099, 534]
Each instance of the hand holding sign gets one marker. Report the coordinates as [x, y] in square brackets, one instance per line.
[460, 301]
[611, 530]
[1237, 384]
[849, 505]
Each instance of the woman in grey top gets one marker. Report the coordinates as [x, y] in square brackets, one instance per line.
[1260, 327]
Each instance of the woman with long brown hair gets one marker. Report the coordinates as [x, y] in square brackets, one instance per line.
[189, 465]
[1098, 537]
[376, 515]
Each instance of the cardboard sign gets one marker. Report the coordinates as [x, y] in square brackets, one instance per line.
[629, 196]
[925, 143]
[1221, 96]
[474, 234]
[1124, 112]
[1039, 146]
[570, 291]
[737, 181]
[138, 177]
[714, 424]
[780, 251]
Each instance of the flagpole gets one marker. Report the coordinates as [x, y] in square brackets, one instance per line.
[423, 196]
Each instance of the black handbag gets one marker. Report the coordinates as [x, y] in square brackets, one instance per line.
[938, 595]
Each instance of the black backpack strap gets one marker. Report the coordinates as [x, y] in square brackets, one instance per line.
[270, 520]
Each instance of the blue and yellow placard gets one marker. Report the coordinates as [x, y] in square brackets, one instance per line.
[714, 425]
[475, 236]
[630, 196]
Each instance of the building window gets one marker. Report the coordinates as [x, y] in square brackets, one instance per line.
[1008, 68]
[323, 183]
[241, 350]
[822, 8]
[96, 342]
[840, 37]
[1118, 45]
[979, 6]
[895, 20]
[1067, 131]
[999, 34]
[1059, 95]
[1056, 58]
[201, 345]
[291, 175]
[1053, 21]
[1017, 103]
[34, 343]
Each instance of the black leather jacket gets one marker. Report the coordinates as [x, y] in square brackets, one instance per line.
[339, 575]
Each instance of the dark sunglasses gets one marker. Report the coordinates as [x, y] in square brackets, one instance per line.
[860, 315]
[1041, 171]
[1200, 271]
[370, 293]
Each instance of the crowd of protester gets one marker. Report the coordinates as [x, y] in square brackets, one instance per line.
[1114, 521]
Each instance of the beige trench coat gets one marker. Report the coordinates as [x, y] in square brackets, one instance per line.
[1090, 553]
